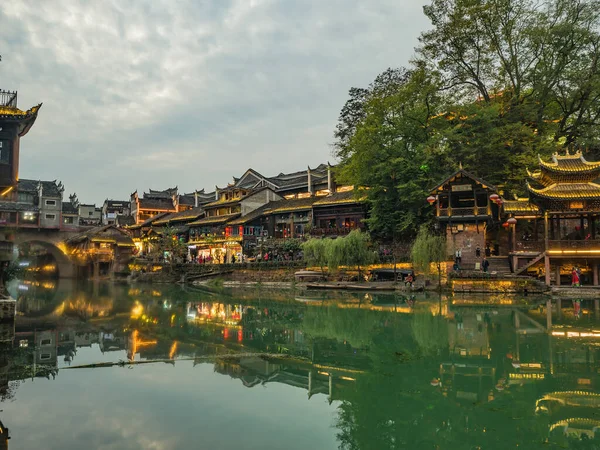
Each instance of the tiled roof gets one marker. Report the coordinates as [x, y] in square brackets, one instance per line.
[569, 163]
[520, 207]
[215, 220]
[338, 198]
[117, 203]
[222, 202]
[187, 199]
[49, 188]
[15, 206]
[566, 191]
[167, 193]
[149, 221]
[123, 220]
[294, 204]
[463, 173]
[69, 208]
[182, 216]
[252, 215]
[26, 119]
[107, 233]
[156, 204]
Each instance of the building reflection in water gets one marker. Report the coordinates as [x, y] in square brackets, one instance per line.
[389, 362]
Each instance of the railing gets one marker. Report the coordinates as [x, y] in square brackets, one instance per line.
[341, 231]
[590, 244]
[470, 211]
[530, 246]
[539, 246]
[8, 99]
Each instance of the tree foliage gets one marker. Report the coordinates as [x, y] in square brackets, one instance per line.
[494, 84]
[316, 252]
[427, 250]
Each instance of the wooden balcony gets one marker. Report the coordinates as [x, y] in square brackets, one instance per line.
[559, 246]
[472, 211]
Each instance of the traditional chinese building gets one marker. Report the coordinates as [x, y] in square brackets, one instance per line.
[113, 208]
[101, 251]
[558, 225]
[468, 217]
[213, 236]
[14, 124]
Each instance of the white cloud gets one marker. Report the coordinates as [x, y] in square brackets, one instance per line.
[160, 93]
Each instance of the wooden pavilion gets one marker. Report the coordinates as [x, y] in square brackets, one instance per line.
[559, 222]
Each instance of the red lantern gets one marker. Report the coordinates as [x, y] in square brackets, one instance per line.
[506, 225]
[494, 197]
[511, 221]
[431, 199]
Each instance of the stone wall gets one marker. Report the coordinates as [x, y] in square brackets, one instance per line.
[467, 241]
[8, 309]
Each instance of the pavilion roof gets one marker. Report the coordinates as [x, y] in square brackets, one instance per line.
[569, 163]
[567, 191]
[26, 118]
[520, 207]
[462, 173]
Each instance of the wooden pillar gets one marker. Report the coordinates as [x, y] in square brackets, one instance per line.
[546, 231]
[549, 314]
[514, 237]
[547, 269]
[595, 273]
[557, 274]
[535, 230]
[552, 232]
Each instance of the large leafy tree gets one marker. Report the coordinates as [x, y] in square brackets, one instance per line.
[494, 84]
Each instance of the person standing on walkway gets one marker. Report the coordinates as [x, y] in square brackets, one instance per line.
[574, 277]
[485, 264]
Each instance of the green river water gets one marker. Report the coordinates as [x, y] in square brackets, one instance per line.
[265, 369]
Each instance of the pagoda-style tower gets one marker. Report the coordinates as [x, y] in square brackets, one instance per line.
[566, 192]
[14, 124]
[566, 184]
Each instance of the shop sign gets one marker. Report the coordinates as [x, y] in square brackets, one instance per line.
[461, 187]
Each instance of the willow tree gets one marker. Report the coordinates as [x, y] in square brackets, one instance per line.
[316, 252]
[429, 250]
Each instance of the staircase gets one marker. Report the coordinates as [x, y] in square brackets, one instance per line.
[498, 264]
[535, 260]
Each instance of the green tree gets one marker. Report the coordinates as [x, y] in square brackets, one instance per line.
[315, 252]
[358, 250]
[494, 84]
[169, 242]
[427, 250]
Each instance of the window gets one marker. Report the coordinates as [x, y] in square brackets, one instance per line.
[45, 342]
[45, 356]
[50, 202]
[91, 213]
[50, 216]
[68, 220]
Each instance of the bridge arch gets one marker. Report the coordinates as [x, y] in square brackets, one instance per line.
[66, 269]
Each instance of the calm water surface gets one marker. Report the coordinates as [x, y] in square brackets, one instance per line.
[252, 369]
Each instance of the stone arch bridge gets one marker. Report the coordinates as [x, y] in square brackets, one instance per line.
[53, 242]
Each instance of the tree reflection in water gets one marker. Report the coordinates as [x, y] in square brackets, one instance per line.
[430, 375]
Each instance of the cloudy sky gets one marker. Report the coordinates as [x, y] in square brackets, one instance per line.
[158, 93]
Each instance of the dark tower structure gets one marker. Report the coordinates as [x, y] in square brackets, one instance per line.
[14, 124]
